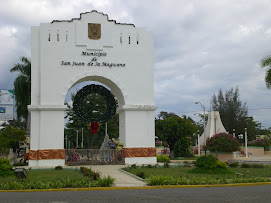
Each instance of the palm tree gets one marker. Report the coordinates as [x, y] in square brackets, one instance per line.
[22, 87]
[266, 61]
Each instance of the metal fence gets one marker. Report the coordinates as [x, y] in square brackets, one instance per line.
[94, 156]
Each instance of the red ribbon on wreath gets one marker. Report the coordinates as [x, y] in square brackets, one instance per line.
[94, 127]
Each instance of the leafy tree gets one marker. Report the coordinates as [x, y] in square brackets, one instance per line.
[265, 131]
[22, 87]
[233, 111]
[15, 123]
[4, 144]
[93, 104]
[252, 127]
[175, 132]
[11, 136]
[266, 62]
[163, 115]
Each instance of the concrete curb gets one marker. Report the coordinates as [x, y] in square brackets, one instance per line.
[132, 175]
[138, 188]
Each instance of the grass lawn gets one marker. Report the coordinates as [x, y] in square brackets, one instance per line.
[190, 172]
[50, 179]
[49, 175]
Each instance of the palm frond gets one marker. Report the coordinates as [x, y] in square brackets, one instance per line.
[268, 78]
[23, 68]
[266, 61]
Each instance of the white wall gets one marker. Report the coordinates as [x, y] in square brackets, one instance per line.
[58, 43]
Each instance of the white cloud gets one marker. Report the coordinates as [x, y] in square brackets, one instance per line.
[200, 46]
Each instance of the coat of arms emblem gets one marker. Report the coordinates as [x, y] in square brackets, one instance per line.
[2, 109]
[94, 31]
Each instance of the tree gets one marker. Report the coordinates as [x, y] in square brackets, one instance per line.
[4, 144]
[266, 62]
[233, 111]
[164, 115]
[22, 87]
[15, 123]
[11, 136]
[89, 103]
[175, 132]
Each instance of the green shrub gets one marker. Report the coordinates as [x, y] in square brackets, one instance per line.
[140, 174]
[19, 185]
[167, 180]
[234, 164]
[206, 161]
[133, 166]
[89, 173]
[58, 168]
[163, 158]
[258, 143]
[105, 182]
[257, 166]
[166, 165]
[20, 164]
[221, 164]
[5, 168]
[83, 169]
[186, 164]
[245, 165]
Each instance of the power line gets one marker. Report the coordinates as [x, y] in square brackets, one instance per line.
[201, 110]
[259, 109]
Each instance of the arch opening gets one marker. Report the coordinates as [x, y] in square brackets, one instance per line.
[101, 145]
[116, 90]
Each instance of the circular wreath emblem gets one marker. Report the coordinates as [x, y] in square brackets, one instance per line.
[94, 103]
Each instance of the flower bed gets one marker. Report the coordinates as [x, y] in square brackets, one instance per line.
[222, 145]
[257, 143]
[222, 142]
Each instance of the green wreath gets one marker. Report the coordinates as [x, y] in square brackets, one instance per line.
[94, 103]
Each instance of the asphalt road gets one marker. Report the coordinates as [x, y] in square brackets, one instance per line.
[260, 193]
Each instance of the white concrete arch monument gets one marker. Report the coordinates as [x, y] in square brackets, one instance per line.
[214, 126]
[91, 48]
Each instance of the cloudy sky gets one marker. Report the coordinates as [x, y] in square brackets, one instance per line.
[200, 46]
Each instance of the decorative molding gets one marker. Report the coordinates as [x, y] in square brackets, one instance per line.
[47, 154]
[47, 107]
[140, 152]
[93, 11]
[131, 107]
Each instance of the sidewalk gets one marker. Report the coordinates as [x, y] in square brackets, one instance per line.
[121, 179]
[264, 159]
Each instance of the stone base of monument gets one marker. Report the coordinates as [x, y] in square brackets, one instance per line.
[255, 151]
[46, 163]
[141, 160]
[223, 156]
